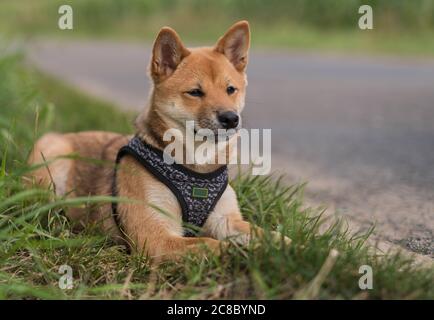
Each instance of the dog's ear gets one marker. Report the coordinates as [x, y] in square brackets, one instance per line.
[235, 44]
[167, 53]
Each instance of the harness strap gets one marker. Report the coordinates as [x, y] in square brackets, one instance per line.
[197, 193]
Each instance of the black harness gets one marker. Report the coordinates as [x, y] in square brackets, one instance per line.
[197, 193]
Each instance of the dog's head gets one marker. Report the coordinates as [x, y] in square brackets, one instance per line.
[206, 85]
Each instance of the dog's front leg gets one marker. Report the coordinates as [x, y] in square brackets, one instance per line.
[159, 236]
[226, 222]
[174, 247]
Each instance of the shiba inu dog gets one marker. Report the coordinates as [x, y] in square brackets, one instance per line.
[206, 85]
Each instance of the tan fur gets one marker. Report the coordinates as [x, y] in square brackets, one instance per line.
[175, 71]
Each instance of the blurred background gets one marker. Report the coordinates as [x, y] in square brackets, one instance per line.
[401, 26]
[351, 111]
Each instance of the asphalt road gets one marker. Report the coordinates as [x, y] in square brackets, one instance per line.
[359, 130]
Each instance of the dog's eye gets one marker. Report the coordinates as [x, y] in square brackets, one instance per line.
[231, 90]
[196, 93]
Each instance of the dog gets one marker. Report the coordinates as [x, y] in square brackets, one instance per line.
[206, 85]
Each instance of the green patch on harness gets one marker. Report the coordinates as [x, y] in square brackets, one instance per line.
[200, 192]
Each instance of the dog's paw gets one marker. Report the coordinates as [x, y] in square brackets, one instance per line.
[287, 240]
[278, 237]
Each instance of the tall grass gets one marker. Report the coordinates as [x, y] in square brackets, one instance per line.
[103, 15]
[36, 238]
[399, 25]
[276, 22]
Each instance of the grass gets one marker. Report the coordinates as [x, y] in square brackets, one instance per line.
[36, 238]
[400, 26]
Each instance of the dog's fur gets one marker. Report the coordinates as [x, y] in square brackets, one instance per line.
[175, 71]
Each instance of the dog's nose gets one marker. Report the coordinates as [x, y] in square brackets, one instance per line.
[228, 119]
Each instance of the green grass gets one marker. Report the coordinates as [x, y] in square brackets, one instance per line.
[400, 26]
[36, 238]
